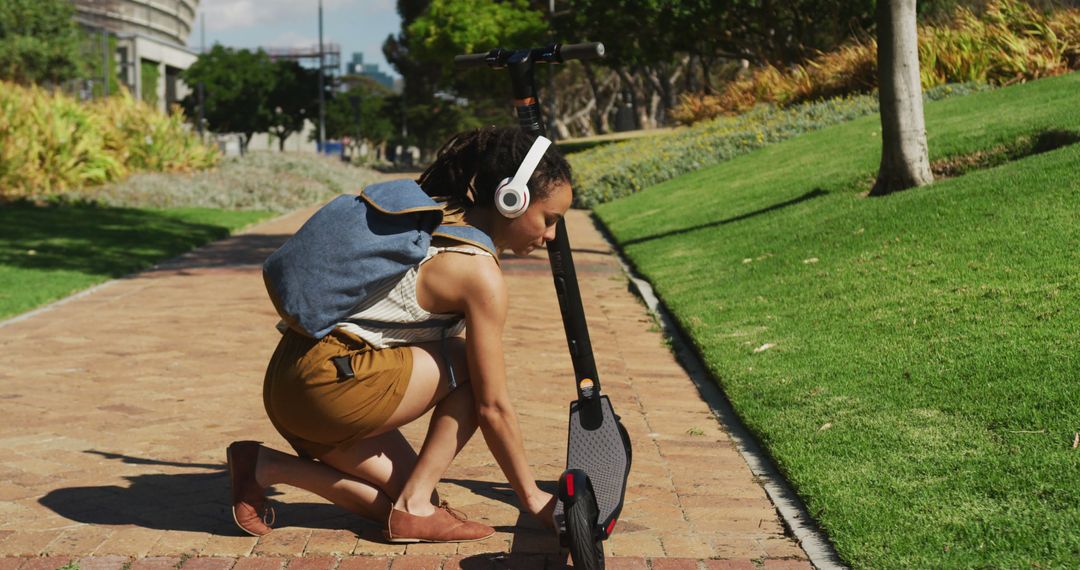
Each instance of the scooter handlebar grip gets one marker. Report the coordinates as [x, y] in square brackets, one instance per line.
[590, 50]
[470, 60]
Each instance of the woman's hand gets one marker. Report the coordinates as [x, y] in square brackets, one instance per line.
[542, 505]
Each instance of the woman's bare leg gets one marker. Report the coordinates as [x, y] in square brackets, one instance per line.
[453, 421]
[353, 476]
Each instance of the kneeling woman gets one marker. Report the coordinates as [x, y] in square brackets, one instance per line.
[344, 424]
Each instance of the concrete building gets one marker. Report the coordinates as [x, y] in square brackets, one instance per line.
[151, 38]
[358, 67]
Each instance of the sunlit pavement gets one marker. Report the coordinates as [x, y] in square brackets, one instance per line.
[117, 407]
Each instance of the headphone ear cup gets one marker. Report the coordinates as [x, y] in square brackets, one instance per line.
[510, 200]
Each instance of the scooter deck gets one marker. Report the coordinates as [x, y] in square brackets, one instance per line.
[604, 454]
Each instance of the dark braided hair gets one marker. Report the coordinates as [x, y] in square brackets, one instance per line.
[475, 162]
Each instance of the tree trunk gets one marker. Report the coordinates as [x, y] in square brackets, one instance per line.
[905, 161]
[599, 120]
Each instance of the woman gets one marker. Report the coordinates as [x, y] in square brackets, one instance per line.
[346, 433]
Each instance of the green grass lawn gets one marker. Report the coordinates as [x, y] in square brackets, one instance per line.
[49, 252]
[911, 362]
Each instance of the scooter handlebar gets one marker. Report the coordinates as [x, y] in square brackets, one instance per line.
[590, 50]
[556, 53]
[470, 60]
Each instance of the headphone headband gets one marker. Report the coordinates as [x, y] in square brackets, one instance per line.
[532, 160]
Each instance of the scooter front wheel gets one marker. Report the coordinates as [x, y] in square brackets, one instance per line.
[585, 549]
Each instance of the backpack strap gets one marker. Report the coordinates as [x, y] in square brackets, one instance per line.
[468, 235]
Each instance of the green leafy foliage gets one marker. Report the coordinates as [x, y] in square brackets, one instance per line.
[238, 86]
[149, 75]
[909, 361]
[451, 27]
[778, 32]
[294, 99]
[49, 142]
[364, 111]
[39, 41]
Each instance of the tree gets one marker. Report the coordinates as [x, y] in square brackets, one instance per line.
[294, 96]
[363, 112]
[440, 100]
[905, 160]
[238, 85]
[39, 41]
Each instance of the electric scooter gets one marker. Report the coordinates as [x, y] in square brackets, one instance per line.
[598, 454]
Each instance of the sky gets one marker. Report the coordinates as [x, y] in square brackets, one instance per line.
[357, 25]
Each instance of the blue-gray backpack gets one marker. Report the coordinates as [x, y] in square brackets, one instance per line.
[350, 247]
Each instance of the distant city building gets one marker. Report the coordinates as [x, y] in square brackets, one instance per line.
[151, 38]
[358, 67]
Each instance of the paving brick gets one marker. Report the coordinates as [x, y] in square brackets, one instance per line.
[541, 542]
[156, 563]
[638, 544]
[283, 542]
[729, 565]
[498, 543]
[133, 542]
[46, 563]
[416, 563]
[176, 542]
[782, 548]
[674, 564]
[102, 562]
[234, 546]
[686, 545]
[259, 563]
[431, 549]
[772, 564]
[364, 563]
[312, 563]
[208, 563]
[626, 563]
[78, 540]
[331, 542]
[10, 563]
[27, 542]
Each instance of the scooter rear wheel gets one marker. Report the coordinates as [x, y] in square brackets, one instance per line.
[586, 551]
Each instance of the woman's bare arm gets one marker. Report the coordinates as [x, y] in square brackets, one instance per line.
[474, 286]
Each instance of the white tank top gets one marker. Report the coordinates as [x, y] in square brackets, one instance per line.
[392, 316]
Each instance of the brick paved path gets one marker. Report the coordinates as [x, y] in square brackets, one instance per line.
[117, 406]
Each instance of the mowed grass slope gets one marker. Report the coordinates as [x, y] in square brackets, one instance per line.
[911, 362]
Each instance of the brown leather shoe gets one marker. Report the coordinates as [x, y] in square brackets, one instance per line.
[249, 505]
[444, 525]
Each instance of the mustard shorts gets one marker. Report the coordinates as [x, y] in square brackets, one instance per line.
[316, 407]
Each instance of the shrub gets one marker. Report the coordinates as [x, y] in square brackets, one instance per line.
[268, 181]
[50, 142]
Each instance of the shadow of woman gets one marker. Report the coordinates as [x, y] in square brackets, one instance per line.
[185, 501]
[200, 502]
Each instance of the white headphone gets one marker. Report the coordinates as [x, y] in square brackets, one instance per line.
[512, 195]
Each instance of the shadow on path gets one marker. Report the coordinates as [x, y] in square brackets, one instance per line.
[238, 250]
[196, 502]
[199, 502]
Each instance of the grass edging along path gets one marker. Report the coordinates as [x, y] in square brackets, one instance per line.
[47, 253]
[909, 361]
